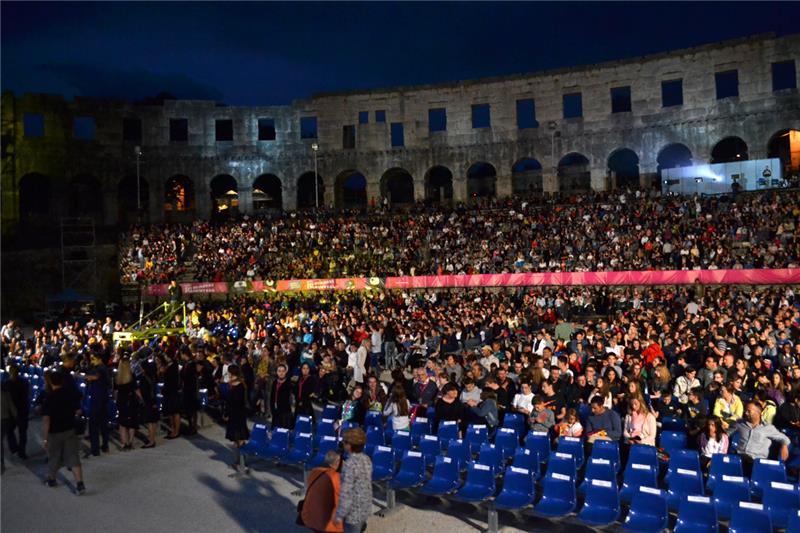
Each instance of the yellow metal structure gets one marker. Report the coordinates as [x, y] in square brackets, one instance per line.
[164, 316]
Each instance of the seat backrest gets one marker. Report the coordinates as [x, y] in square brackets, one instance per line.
[325, 426]
[514, 421]
[375, 436]
[490, 454]
[607, 449]
[559, 487]
[652, 502]
[670, 423]
[506, 439]
[685, 460]
[600, 469]
[373, 419]
[519, 480]
[640, 475]
[458, 450]
[751, 518]
[448, 430]
[302, 441]
[696, 509]
[643, 454]
[280, 438]
[527, 459]
[477, 434]
[572, 446]
[603, 493]
[331, 411]
[383, 457]
[794, 521]
[445, 468]
[673, 440]
[412, 463]
[561, 463]
[686, 482]
[401, 440]
[259, 434]
[480, 475]
[766, 470]
[420, 427]
[780, 499]
[539, 442]
[303, 424]
[723, 464]
[429, 445]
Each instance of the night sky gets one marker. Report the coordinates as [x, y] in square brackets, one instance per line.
[273, 53]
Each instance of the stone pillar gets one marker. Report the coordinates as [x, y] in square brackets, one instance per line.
[373, 193]
[202, 202]
[600, 180]
[648, 175]
[289, 199]
[245, 199]
[549, 181]
[419, 190]
[503, 186]
[156, 202]
[459, 190]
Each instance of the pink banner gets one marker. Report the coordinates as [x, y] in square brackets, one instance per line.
[647, 277]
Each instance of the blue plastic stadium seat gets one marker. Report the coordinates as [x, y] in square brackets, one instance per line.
[301, 449]
[373, 419]
[597, 469]
[506, 439]
[644, 455]
[331, 411]
[524, 458]
[728, 492]
[516, 422]
[448, 430]
[258, 440]
[278, 445]
[671, 423]
[539, 442]
[445, 478]
[607, 449]
[764, 472]
[558, 496]
[412, 471]
[477, 434]
[572, 446]
[519, 489]
[781, 500]
[374, 438]
[349, 424]
[684, 483]
[302, 424]
[325, 426]
[562, 463]
[648, 512]
[601, 506]
[382, 463]
[637, 475]
[421, 426]
[458, 450]
[401, 443]
[673, 440]
[794, 522]
[723, 465]
[683, 460]
[750, 518]
[479, 485]
[326, 443]
[491, 455]
[429, 446]
[696, 514]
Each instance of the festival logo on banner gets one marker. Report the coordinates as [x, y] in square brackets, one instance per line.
[241, 286]
[320, 284]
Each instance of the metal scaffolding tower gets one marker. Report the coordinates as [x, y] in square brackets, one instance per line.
[78, 260]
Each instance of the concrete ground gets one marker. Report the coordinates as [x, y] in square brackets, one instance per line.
[185, 484]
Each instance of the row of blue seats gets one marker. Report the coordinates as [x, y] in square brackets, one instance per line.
[559, 485]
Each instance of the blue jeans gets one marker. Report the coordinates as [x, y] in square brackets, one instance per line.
[354, 528]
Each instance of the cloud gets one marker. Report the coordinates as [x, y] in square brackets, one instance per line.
[134, 84]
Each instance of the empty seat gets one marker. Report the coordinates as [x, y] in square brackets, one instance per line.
[325, 426]
[506, 439]
[684, 460]
[445, 478]
[671, 423]
[684, 483]
[492, 456]
[518, 491]
[411, 473]
[794, 522]
[601, 506]
[349, 424]
[516, 422]
[637, 475]
[374, 438]
[696, 514]
[723, 465]
[600, 469]
[332, 411]
[764, 472]
[750, 518]
[476, 435]
[479, 485]
[648, 512]
[673, 440]
[303, 424]
[373, 419]
[301, 449]
[562, 463]
[258, 440]
[539, 442]
[326, 443]
[524, 458]
[572, 446]
[382, 463]
[781, 500]
[643, 454]
[448, 430]
[401, 443]
[558, 496]
[607, 449]
[728, 492]
[458, 450]
[419, 427]
[429, 446]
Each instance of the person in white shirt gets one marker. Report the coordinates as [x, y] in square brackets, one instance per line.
[360, 368]
[523, 402]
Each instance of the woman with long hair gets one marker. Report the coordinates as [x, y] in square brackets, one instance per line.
[128, 399]
[776, 389]
[171, 403]
[376, 395]
[355, 408]
[146, 376]
[236, 413]
[399, 409]
[713, 440]
[601, 390]
[640, 423]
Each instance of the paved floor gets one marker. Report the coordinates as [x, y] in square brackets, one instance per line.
[185, 484]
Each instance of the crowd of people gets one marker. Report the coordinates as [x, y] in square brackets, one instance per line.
[598, 232]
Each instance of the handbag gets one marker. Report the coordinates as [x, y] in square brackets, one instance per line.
[299, 519]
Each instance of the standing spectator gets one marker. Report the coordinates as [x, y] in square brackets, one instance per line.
[58, 432]
[712, 440]
[305, 391]
[189, 389]
[128, 400]
[98, 385]
[236, 413]
[280, 399]
[355, 499]
[146, 375]
[322, 496]
[171, 405]
[9, 413]
[18, 433]
[354, 409]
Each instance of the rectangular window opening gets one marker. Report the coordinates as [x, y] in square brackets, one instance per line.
[178, 129]
[727, 84]
[481, 116]
[671, 93]
[83, 128]
[224, 130]
[526, 114]
[33, 125]
[308, 127]
[437, 119]
[380, 115]
[363, 117]
[398, 140]
[348, 137]
[266, 129]
[784, 75]
[132, 129]
[620, 99]
[573, 105]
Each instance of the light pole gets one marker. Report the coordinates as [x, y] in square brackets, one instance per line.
[138, 151]
[315, 147]
[552, 125]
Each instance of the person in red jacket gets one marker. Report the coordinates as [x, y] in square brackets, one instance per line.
[652, 352]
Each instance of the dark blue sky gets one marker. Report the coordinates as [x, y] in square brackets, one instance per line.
[272, 53]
